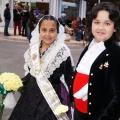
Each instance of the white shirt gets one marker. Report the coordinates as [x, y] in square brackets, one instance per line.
[94, 50]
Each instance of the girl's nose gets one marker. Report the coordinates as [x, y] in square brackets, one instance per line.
[47, 33]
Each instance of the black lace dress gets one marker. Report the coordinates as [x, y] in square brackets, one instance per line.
[32, 104]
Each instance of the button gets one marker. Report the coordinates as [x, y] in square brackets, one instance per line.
[107, 54]
[90, 84]
[91, 74]
[90, 93]
[90, 103]
[89, 113]
[72, 76]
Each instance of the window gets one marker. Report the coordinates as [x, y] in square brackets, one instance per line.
[73, 1]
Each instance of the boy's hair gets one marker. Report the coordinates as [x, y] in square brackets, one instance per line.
[114, 16]
[49, 17]
[7, 4]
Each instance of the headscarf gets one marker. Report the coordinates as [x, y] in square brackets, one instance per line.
[36, 35]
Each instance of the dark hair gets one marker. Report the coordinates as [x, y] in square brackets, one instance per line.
[7, 4]
[49, 17]
[114, 15]
[32, 9]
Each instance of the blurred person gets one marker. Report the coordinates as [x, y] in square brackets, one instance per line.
[41, 14]
[32, 21]
[17, 19]
[68, 22]
[7, 16]
[63, 17]
[25, 18]
[76, 28]
[84, 21]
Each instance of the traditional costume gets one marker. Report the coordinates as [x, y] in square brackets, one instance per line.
[96, 87]
[44, 79]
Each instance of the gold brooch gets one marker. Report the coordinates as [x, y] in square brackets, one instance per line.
[101, 66]
[106, 64]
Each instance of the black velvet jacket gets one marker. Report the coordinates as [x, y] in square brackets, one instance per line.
[104, 84]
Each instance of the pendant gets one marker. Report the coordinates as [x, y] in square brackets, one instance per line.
[41, 61]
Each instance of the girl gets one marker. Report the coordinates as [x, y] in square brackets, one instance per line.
[48, 61]
[96, 87]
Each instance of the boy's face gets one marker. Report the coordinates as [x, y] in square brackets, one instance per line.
[102, 26]
[48, 31]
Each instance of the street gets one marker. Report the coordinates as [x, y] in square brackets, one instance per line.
[12, 60]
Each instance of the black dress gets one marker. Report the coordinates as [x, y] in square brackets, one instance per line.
[32, 104]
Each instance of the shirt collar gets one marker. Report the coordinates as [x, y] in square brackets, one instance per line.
[100, 45]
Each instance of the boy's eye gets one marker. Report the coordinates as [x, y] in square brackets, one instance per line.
[107, 23]
[96, 22]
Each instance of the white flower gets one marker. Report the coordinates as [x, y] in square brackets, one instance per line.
[61, 109]
[10, 81]
[106, 64]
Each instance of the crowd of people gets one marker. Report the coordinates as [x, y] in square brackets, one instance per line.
[77, 24]
[51, 80]
[26, 21]
[23, 19]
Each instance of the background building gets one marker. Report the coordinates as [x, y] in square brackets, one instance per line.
[72, 8]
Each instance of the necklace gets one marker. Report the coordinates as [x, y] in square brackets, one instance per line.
[41, 53]
[41, 61]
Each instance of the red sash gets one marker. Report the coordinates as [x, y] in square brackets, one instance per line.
[79, 81]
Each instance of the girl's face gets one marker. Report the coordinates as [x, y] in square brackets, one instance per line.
[102, 26]
[48, 31]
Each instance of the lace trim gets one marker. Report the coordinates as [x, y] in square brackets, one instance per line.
[53, 57]
[61, 56]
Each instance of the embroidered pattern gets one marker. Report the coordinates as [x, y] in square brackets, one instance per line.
[53, 57]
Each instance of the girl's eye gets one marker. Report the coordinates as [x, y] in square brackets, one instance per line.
[43, 30]
[52, 30]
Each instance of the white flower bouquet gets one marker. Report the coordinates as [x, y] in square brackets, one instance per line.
[61, 109]
[9, 82]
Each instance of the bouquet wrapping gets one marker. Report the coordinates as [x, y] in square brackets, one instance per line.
[9, 82]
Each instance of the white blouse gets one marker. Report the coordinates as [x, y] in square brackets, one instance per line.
[94, 50]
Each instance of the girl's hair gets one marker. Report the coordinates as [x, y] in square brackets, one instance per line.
[49, 17]
[114, 16]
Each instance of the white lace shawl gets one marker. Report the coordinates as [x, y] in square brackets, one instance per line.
[53, 57]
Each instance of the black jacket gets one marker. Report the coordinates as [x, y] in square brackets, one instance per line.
[7, 14]
[32, 20]
[25, 15]
[16, 15]
[104, 84]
